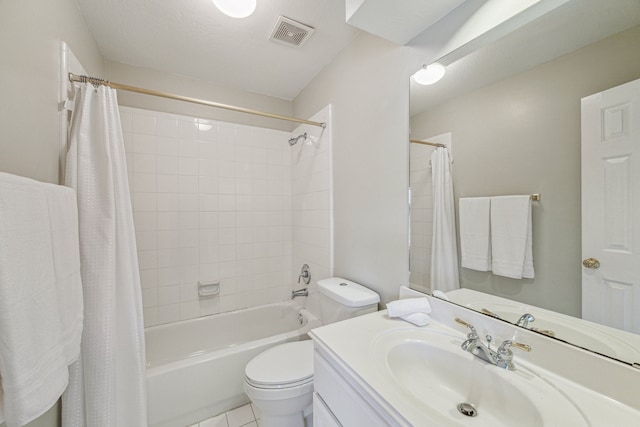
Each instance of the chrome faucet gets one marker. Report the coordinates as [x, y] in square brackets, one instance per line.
[502, 357]
[525, 319]
[304, 292]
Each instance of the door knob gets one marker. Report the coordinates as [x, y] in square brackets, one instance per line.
[591, 263]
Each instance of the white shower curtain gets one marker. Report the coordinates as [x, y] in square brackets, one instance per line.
[107, 386]
[444, 249]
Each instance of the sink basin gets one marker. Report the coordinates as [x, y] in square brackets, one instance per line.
[435, 376]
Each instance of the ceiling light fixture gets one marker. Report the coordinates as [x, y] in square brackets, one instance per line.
[236, 8]
[429, 74]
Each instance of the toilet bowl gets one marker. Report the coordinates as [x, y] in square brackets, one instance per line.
[279, 381]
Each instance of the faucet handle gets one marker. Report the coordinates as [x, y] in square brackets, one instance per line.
[473, 333]
[305, 274]
[504, 347]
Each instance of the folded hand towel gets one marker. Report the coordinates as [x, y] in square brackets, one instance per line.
[439, 294]
[418, 319]
[511, 242]
[475, 243]
[33, 354]
[407, 306]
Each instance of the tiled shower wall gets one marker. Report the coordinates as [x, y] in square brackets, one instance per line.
[312, 200]
[212, 202]
[421, 216]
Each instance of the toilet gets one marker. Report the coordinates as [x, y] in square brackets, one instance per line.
[279, 381]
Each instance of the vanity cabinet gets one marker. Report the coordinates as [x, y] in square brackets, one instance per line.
[370, 371]
[340, 399]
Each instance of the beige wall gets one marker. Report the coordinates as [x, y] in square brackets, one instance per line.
[30, 35]
[367, 87]
[521, 136]
[150, 79]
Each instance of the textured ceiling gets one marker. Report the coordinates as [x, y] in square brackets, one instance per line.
[192, 38]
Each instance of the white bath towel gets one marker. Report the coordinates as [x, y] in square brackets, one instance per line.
[63, 213]
[511, 243]
[33, 357]
[475, 234]
[407, 306]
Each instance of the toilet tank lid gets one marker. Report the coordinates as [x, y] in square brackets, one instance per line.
[347, 292]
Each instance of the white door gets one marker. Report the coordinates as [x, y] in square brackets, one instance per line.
[611, 207]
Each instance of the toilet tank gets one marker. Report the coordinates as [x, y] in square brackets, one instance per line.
[342, 299]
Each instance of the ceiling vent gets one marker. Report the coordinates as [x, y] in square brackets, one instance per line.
[291, 33]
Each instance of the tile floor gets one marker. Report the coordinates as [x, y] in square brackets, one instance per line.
[244, 416]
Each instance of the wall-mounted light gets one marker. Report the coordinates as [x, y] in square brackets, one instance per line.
[236, 8]
[429, 74]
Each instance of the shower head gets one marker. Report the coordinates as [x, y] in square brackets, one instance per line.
[294, 141]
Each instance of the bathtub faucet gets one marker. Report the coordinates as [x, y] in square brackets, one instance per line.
[304, 292]
[305, 274]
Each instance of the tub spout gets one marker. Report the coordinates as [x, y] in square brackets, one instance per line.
[304, 292]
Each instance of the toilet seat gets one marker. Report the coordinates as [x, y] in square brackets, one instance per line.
[283, 366]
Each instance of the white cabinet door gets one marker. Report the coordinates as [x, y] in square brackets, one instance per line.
[611, 207]
[322, 415]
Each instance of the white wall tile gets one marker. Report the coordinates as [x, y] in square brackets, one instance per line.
[149, 278]
[190, 274]
[209, 306]
[167, 202]
[188, 148]
[168, 313]
[208, 132]
[167, 220]
[126, 119]
[144, 202]
[188, 130]
[144, 143]
[167, 127]
[147, 240]
[147, 259]
[144, 183]
[167, 183]
[167, 146]
[168, 295]
[150, 297]
[167, 165]
[144, 123]
[188, 166]
[145, 221]
[189, 310]
[150, 316]
[213, 201]
[144, 163]
[189, 292]
[168, 276]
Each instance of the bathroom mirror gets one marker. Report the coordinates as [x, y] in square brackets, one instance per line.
[512, 113]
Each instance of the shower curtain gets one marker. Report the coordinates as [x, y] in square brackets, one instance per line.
[444, 249]
[107, 385]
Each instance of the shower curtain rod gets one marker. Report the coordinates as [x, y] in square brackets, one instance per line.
[95, 81]
[433, 144]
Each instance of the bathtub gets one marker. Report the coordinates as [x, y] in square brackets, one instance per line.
[195, 368]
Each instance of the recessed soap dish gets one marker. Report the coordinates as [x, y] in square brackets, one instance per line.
[208, 289]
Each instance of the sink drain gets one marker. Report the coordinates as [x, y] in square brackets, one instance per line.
[467, 409]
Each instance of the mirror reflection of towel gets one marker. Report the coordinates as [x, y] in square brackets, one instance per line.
[511, 243]
[475, 241]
